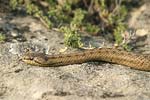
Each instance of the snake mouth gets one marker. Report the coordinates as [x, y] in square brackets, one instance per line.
[36, 63]
[33, 62]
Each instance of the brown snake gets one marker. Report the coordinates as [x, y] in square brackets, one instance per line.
[136, 61]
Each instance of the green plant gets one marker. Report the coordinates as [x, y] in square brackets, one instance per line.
[127, 47]
[92, 29]
[115, 19]
[57, 16]
[79, 15]
[13, 3]
[87, 16]
[117, 33]
[2, 37]
[72, 38]
[34, 10]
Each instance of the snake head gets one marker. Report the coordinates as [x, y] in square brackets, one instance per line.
[38, 59]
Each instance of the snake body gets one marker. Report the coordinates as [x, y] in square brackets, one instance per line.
[136, 61]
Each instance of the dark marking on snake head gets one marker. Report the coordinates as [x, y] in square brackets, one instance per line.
[60, 56]
[76, 55]
[68, 55]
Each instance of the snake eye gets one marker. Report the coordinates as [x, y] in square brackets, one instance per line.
[31, 58]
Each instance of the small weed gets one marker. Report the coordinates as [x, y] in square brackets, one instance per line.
[78, 17]
[34, 10]
[127, 47]
[31, 9]
[92, 29]
[72, 38]
[2, 37]
[117, 33]
[13, 4]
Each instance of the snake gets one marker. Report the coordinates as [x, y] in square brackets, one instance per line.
[111, 55]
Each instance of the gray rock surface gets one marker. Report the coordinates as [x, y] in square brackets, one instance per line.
[87, 81]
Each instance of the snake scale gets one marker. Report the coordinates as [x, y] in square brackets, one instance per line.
[133, 60]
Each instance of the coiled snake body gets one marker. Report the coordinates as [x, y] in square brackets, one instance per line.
[136, 61]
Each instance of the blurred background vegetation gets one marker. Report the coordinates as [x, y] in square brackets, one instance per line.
[74, 17]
